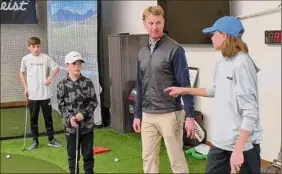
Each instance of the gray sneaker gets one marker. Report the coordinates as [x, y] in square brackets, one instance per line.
[33, 145]
[55, 143]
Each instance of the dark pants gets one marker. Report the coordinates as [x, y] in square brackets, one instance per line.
[86, 146]
[219, 161]
[34, 108]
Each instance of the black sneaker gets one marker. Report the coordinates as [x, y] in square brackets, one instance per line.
[33, 145]
[55, 143]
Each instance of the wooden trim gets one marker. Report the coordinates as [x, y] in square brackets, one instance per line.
[263, 162]
[12, 104]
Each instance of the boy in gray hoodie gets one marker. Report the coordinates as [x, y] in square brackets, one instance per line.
[236, 129]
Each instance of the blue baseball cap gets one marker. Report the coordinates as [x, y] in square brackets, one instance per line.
[228, 24]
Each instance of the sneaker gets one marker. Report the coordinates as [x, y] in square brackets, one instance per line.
[33, 145]
[55, 143]
[98, 126]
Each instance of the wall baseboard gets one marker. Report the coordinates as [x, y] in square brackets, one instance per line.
[16, 104]
[263, 162]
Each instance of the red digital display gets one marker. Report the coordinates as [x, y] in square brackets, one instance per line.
[272, 36]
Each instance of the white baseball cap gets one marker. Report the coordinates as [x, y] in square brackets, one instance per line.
[73, 56]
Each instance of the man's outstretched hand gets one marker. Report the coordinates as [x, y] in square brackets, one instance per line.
[174, 91]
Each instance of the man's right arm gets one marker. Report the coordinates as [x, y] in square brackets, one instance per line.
[139, 97]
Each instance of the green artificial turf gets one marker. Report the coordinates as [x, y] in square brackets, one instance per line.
[13, 122]
[125, 147]
[27, 164]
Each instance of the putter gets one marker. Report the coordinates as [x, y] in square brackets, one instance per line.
[76, 146]
[25, 126]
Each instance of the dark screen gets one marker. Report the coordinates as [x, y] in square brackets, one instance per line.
[186, 19]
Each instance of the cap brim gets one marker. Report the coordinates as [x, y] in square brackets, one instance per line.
[82, 61]
[209, 30]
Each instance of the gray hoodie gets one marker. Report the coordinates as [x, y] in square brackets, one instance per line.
[235, 91]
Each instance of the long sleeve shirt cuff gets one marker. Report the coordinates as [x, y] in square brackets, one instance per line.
[190, 112]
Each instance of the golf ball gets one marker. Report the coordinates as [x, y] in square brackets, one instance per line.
[8, 156]
[116, 159]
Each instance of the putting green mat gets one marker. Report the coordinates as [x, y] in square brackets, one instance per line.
[27, 164]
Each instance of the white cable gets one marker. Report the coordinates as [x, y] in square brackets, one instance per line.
[260, 13]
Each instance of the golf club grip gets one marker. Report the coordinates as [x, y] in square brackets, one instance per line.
[27, 102]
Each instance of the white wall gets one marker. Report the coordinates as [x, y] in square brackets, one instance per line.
[128, 19]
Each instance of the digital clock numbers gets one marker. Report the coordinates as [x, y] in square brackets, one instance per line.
[272, 36]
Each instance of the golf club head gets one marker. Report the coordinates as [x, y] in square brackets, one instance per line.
[23, 149]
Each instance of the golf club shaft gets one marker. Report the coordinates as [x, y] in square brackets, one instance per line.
[25, 126]
[76, 146]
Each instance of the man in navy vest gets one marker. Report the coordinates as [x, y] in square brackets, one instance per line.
[162, 63]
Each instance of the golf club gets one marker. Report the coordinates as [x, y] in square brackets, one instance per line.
[76, 146]
[25, 126]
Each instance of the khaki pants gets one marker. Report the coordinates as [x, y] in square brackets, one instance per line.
[170, 127]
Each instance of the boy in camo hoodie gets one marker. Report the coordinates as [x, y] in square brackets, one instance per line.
[77, 101]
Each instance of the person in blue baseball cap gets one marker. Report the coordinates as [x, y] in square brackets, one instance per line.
[230, 25]
[236, 129]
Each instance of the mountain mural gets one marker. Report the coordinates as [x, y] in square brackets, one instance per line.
[66, 15]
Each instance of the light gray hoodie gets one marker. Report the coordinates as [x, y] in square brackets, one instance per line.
[235, 91]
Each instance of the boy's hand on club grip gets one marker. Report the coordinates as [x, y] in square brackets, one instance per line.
[73, 122]
[79, 117]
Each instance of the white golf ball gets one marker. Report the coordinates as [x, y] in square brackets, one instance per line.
[116, 159]
[8, 156]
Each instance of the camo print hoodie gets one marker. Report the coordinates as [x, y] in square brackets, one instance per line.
[74, 97]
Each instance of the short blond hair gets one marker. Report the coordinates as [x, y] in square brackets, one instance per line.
[154, 10]
[232, 46]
